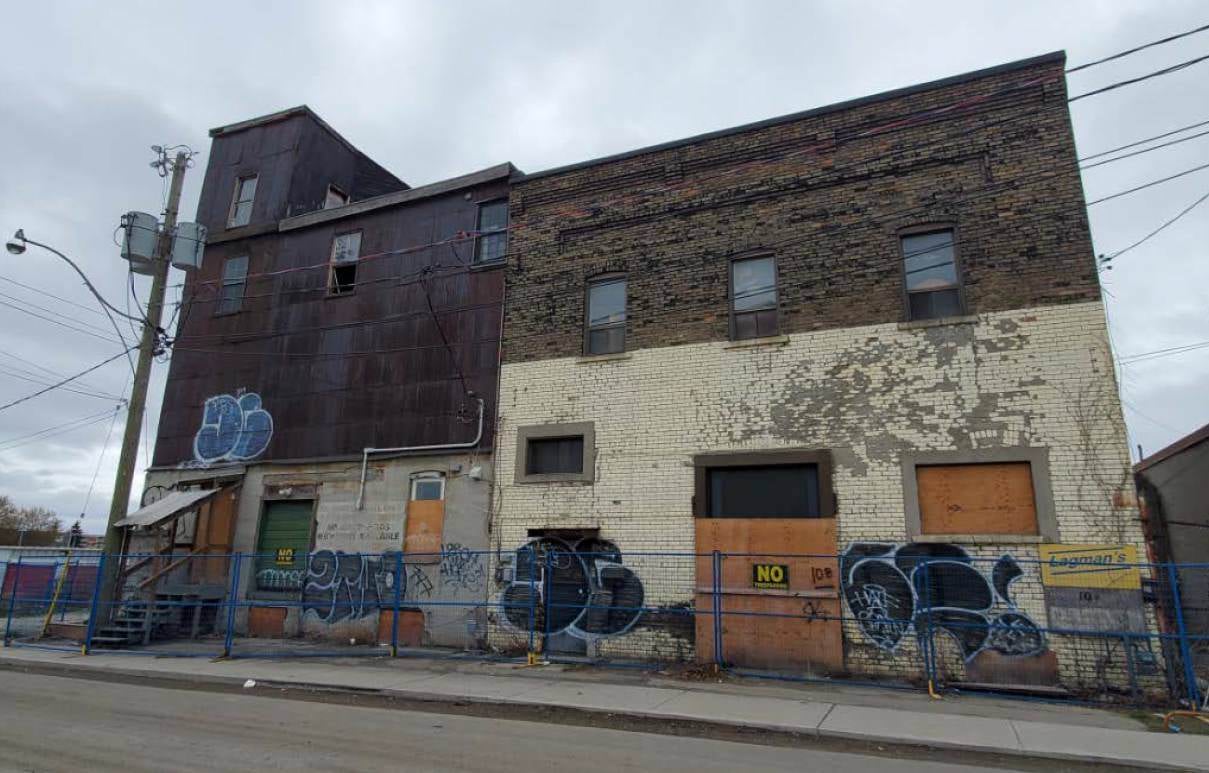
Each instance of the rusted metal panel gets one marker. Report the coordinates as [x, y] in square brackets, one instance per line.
[794, 626]
[977, 499]
[338, 374]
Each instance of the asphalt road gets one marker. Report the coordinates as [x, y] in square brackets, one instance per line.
[52, 723]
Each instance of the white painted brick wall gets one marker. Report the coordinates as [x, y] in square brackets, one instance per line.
[1031, 377]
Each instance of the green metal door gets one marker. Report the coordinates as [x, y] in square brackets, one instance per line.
[281, 548]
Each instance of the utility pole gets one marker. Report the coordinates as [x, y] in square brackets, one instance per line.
[138, 395]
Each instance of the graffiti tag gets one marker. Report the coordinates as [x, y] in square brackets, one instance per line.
[232, 429]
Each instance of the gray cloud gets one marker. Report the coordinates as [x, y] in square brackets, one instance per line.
[437, 89]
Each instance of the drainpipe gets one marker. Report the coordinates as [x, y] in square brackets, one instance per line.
[365, 453]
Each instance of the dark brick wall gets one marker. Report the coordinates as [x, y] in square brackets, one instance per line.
[827, 193]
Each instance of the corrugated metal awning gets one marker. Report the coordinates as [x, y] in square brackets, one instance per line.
[163, 509]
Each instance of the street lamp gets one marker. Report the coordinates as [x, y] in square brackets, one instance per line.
[16, 245]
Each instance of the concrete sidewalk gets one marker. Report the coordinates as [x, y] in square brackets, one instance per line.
[967, 724]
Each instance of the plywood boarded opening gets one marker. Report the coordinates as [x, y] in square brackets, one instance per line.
[993, 498]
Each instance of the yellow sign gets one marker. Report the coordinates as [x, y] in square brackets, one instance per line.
[1090, 566]
[285, 555]
[771, 576]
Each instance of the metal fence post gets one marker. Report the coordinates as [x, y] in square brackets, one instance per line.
[1185, 651]
[547, 583]
[92, 606]
[925, 637]
[394, 627]
[232, 599]
[532, 603]
[717, 599]
[12, 602]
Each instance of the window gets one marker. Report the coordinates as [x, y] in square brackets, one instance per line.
[431, 487]
[767, 491]
[606, 316]
[492, 243]
[241, 202]
[282, 544]
[554, 455]
[556, 452]
[335, 198]
[764, 484]
[979, 493]
[976, 498]
[753, 305]
[346, 249]
[234, 281]
[930, 272]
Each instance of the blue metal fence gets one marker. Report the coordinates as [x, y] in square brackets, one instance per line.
[885, 615]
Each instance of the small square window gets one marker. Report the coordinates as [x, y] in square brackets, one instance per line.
[234, 282]
[606, 316]
[555, 455]
[346, 250]
[753, 306]
[492, 242]
[555, 452]
[334, 198]
[428, 489]
[930, 275]
[241, 202]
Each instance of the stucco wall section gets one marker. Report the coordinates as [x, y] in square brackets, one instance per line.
[452, 593]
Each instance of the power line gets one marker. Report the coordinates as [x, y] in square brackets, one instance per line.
[43, 369]
[1156, 231]
[49, 311]
[60, 324]
[40, 291]
[1144, 150]
[1140, 78]
[1149, 184]
[1157, 353]
[84, 421]
[64, 381]
[1136, 49]
[44, 382]
[1143, 142]
[63, 431]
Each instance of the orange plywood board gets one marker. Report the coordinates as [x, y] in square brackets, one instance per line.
[425, 527]
[977, 499]
[794, 627]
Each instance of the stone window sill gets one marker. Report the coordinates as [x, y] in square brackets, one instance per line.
[588, 359]
[747, 343]
[985, 539]
[968, 319]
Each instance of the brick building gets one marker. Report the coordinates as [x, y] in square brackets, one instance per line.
[333, 385]
[868, 333]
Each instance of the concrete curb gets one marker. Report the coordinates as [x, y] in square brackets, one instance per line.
[834, 723]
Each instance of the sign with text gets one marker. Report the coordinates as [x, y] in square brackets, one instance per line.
[1090, 566]
[770, 576]
[285, 555]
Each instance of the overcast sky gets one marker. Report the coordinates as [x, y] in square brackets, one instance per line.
[432, 90]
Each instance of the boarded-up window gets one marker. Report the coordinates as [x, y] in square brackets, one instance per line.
[977, 498]
[281, 548]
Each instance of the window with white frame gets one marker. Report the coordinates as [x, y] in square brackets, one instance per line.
[241, 201]
[428, 486]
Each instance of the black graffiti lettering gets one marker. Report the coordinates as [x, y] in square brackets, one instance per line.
[935, 587]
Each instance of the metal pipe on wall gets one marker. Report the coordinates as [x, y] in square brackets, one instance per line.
[365, 453]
